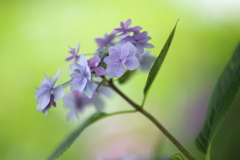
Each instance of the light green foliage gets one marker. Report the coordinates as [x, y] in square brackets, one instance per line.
[127, 76]
[158, 62]
[72, 137]
[221, 99]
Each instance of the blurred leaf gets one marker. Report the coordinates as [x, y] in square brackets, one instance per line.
[176, 156]
[72, 137]
[158, 62]
[127, 75]
[221, 99]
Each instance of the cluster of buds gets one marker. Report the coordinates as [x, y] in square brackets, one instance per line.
[111, 60]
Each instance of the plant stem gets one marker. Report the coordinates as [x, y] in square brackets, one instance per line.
[151, 118]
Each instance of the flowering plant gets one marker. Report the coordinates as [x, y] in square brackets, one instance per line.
[117, 61]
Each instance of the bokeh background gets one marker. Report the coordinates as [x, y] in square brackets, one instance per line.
[34, 39]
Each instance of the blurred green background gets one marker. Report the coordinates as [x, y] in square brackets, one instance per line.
[34, 39]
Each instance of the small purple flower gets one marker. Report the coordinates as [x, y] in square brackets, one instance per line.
[104, 42]
[93, 65]
[140, 41]
[76, 101]
[119, 58]
[125, 29]
[73, 52]
[47, 95]
[145, 60]
[81, 77]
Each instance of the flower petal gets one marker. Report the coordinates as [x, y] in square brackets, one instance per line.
[123, 35]
[56, 76]
[148, 45]
[109, 60]
[140, 48]
[44, 88]
[78, 84]
[127, 23]
[83, 61]
[93, 62]
[132, 63]
[114, 52]
[99, 71]
[132, 49]
[120, 69]
[69, 58]
[135, 29]
[124, 52]
[58, 92]
[43, 101]
[89, 89]
[110, 71]
[48, 80]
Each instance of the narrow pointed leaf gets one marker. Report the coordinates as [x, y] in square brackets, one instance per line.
[158, 62]
[127, 76]
[176, 156]
[73, 136]
[221, 99]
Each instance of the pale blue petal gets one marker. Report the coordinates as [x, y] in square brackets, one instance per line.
[120, 43]
[120, 69]
[43, 101]
[140, 48]
[56, 76]
[148, 45]
[83, 61]
[89, 89]
[114, 52]
[132, 63]
[110, 71]
[58, 92]
[109, 60]
[123, 35]
[87, 73]
[71, 115]
[132, 49]
[99, 71]
[48, 80]
[74, 66]
[124, 51]
[44, 88]
[127, 23]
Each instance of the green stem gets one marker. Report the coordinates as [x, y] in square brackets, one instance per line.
[151, 118]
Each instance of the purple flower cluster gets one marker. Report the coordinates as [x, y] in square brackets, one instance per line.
[111, 60]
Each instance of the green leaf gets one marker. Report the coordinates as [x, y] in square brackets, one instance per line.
[72, 137]
[158, 62]
[127, 75]
[176, 156]
[221, 99]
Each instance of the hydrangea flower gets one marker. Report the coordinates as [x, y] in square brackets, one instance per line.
[93, 65]
[73, 52]
[125, 29]
[104, 42]
[139, 40]
[47, 94]
[81, 77]
[145, 60]
[76, 101]
[119, 58]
